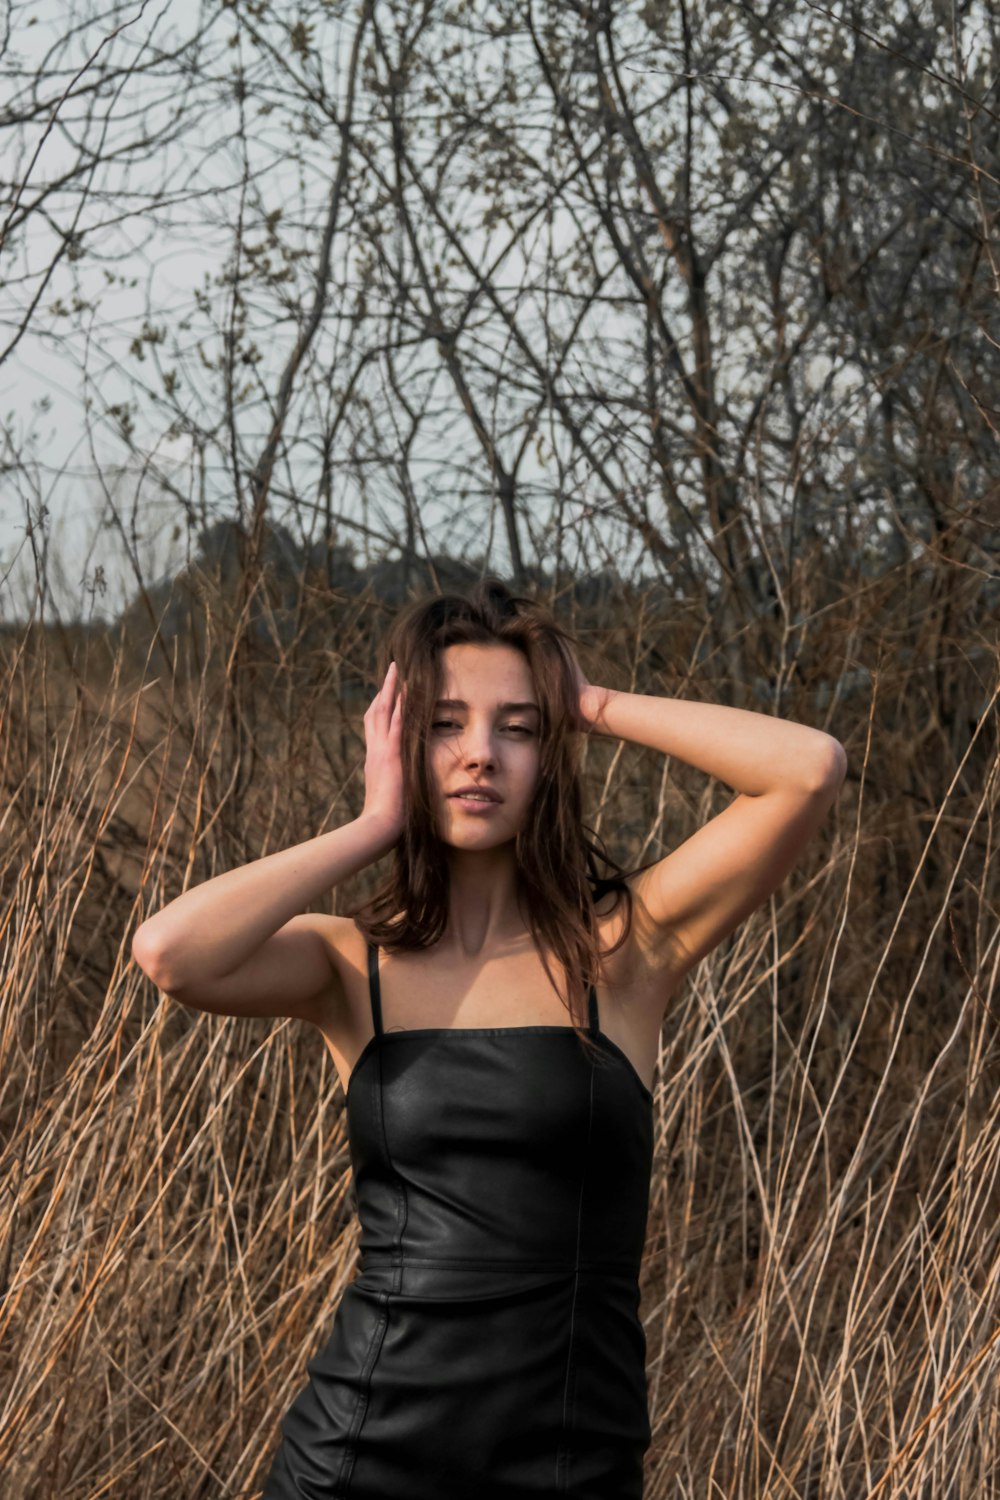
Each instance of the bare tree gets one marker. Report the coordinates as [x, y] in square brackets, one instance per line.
[686, 315]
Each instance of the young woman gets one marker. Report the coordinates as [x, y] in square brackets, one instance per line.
[494, 1014]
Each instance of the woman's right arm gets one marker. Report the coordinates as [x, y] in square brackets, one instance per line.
[241, 944]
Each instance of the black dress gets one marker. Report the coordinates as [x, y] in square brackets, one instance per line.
[490, 1347]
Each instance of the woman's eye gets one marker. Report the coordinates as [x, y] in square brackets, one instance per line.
[450, 724]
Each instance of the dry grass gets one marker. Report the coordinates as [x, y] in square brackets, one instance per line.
[820, 1285]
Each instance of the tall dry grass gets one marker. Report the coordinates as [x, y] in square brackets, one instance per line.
[820, 1287]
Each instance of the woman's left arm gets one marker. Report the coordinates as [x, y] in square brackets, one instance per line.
[751, 752]
[787, 777]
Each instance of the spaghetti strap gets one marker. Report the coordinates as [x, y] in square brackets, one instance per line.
[374, 990]
[595, 1025]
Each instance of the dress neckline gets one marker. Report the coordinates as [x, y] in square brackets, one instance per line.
[380, 1035]
[406, 1032]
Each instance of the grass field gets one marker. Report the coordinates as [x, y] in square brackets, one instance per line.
[820, 1289]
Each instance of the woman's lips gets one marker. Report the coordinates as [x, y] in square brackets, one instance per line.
[474, 804]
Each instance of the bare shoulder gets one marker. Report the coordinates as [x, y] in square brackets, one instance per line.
[348, 1012]
[346, 951]
[345, 1020]
[639, 972]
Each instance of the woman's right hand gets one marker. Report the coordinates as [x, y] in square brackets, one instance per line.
[383, 761]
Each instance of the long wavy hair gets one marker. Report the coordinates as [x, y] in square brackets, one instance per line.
[556, 853]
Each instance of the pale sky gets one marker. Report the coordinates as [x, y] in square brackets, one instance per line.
[133, 263]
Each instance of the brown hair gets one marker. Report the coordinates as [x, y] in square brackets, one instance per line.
[555, 852]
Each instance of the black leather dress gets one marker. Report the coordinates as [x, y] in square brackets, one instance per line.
[490, 1347]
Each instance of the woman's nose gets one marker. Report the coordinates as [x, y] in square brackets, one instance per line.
[477, 748]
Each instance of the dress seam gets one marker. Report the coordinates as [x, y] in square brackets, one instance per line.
[346, 1471]
[379, 1260]
[347, 1465]
[564, 1453]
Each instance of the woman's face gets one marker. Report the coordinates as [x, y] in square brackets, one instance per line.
[484, 732]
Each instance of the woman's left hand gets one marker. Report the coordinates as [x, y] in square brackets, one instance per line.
[589, 700]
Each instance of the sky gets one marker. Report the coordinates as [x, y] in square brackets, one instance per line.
[76, 467]
[139, 269]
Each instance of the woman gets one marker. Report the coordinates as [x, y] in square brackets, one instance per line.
[494, 1013]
